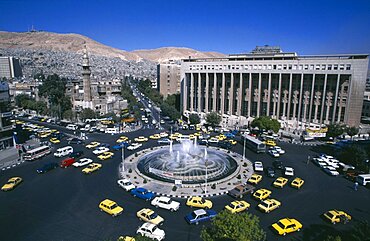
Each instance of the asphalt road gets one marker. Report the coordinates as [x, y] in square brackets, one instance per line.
[63, 204]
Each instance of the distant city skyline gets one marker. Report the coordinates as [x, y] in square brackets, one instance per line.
[310, 27]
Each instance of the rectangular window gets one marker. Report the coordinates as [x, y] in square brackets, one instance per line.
[330, 66]
[341, 67]
[335, 67]
[348, 67]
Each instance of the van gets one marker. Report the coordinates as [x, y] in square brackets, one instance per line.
[64, 151]
[363, 179]
[67, 162]
[71, 127]
[111, 131]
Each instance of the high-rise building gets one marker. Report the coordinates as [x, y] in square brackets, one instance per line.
[10, 67]
[6, 130]
[299, 90]
[168, 78]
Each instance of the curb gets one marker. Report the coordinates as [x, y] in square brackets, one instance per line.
[188, 196]
[12, 166]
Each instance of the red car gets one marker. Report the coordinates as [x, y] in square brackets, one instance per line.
[67, 162]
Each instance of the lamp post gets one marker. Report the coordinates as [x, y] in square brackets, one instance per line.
[123, 158]
[244, 148]
[205, 188]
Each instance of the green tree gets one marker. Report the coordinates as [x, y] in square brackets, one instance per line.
[87, 113]
[170, 111]
[266, 123]
[361, 231]
[352, 131]
[213, 119]
[228, 226]
[332, 238]
[68, 115]
[335, 130]
[354, 155]
[194, 119]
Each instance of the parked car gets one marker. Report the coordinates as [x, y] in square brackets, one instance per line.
[47, 167]
[76, 154]
[165, 203]
[330, 171]
[126, 184]
[337, 216]
[142, 193]
[200, 215]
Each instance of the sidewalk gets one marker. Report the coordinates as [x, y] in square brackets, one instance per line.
[10, 158]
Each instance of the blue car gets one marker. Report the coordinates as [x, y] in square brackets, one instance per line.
[119, 146]
[142, 193]
[47, 167]
[229, 135]
[200, 215]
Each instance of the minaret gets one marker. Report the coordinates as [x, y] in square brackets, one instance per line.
[86, 76]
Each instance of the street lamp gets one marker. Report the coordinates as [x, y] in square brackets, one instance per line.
[123, 157]
[205, 188]
[244, 148]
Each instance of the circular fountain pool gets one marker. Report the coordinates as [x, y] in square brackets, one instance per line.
[188, 162]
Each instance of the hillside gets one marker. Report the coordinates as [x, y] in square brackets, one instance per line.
[76, 42]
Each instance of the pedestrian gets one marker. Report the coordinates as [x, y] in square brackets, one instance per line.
[308, 160]
[356, 186]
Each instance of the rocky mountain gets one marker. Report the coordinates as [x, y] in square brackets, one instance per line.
[75, 43]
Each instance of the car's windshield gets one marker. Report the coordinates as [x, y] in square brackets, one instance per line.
[193, 215]
[153, 216]
[113, 206]
[281, 225]
[202, 200]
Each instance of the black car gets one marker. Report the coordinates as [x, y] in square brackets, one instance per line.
[203, 142]
[47, 167]
[270, 172]
[75, 141]
[76, 154]
[278, 164]
[225, 145]
[104, 145]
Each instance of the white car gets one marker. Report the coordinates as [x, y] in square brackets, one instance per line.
[331, 171]
[258, 166]
[289, 171]
[213, 140]
[126, 184]
[100, 150]
[134, 146]
[82, 162]
[279, 150]
[273, 153]
[163, 134]
[165, 203]
[151, 231]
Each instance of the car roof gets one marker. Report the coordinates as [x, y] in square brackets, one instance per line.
[108, 202]
[141, 189]
[200, 212]
[286, 221]
[148, 226]
[166, 199]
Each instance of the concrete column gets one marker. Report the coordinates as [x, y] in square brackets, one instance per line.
[199, 108]
[323, 98]
[300, 99]
[336, 98]
[279, 98]
[250, 95]
[184, 94]
[259, 95]
[311, 99]
[269, 96]
[206, 94]
[191, 92]
[223, 94]
[239, 108]
[231, 95]
[289, 95]
[214, 109]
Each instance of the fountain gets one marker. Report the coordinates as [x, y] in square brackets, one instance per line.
[187, 162]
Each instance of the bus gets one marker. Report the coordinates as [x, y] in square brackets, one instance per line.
[254, 144]
[36, 153]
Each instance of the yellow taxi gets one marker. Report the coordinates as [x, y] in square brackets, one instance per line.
[11, 184]
[191, 136]
[126, 238]
[233, 142]
[122, 139]
[221, 137]
[237, 206]
[92, 145]
[91, 168]
[110, 207]
[199, 202]
[270, 143]
[155, 137]
[280, 182]
[261, 194]
[150, 216]
[54, 140]
[269, 205]
[106, 155]
[197, 134]
[287, 225]
[198, 127]
[175, 135]
[337, 216]
[141, 139]
[45, 134]
[297, 182]
[18, 122]
[54, 131]
[255, 179]
[107, 122]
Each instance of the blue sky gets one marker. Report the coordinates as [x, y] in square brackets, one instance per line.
[306, 27]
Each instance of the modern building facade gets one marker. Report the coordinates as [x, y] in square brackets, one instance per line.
[299, 90]
[168, 78]
[6, 129]
[10, 67]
